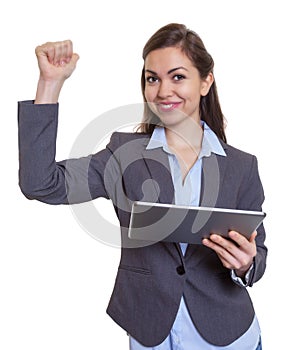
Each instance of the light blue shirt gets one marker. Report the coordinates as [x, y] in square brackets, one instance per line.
[183, 335]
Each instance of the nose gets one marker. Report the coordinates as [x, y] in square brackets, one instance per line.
[165, 89]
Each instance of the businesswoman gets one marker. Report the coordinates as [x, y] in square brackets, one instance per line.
[166, 295]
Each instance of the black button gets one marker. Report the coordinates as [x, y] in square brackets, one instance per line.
[180, 270]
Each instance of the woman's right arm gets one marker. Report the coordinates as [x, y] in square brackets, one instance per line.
[40, 176]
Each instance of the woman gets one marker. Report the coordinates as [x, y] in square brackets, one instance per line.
[166, 295]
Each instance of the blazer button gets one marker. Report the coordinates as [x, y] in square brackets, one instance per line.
[180, 270]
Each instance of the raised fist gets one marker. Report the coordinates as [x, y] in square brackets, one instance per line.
[56, 60]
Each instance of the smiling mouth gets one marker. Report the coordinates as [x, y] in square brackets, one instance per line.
[167, 106]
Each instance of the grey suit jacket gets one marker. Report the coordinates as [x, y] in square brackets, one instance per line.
[152, 279]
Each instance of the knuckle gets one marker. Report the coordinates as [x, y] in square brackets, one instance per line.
[238, 265]
[223, 253]
[243, 262]
[227, 265]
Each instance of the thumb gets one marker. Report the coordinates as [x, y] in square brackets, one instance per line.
[253, 236]
[75, 57]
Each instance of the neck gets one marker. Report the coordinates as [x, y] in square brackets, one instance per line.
[188, 135]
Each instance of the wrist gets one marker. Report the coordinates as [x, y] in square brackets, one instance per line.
[48, 91]
[246, 279]
[242, 272]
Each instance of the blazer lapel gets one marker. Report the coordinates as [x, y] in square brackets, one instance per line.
[213, 172]
[157, 163]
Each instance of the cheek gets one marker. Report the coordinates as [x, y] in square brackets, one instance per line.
[150, 94]
[184, 91]
[191, 95]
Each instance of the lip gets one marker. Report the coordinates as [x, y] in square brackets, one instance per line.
[167, 106]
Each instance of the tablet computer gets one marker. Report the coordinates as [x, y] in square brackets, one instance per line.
[156, 222]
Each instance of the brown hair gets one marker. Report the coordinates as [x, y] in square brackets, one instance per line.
[177, 35]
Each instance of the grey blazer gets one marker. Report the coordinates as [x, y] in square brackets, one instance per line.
[152, 279]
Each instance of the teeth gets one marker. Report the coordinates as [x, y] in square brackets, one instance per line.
[167, 106]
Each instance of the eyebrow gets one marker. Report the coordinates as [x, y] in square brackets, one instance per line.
[169, 72]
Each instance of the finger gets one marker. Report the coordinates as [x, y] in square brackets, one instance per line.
[65, 52]
[218, 243]
[227, 257]
[248, 246]
[225, 248]
[50, 53]
[45, 51]
[210, 244]
[224, 242]
[241, 240]
[69, 50]
[228, 261]
[58, 53]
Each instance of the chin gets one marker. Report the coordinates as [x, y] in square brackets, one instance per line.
[172, 119]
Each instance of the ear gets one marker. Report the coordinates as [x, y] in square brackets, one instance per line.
[206, 84]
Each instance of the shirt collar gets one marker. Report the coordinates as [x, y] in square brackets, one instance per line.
[210, 142]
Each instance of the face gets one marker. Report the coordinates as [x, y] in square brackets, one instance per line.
[173, 86]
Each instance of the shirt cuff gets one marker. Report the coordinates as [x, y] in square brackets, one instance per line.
[242, 282]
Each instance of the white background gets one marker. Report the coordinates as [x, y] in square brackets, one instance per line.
[55, 280]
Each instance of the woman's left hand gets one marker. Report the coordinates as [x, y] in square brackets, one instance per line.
[237, 254]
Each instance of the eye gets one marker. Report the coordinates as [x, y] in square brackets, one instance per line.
[151, 79]
[178, 77]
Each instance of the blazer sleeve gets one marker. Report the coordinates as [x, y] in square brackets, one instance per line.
[251, 197]
[41, 177]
